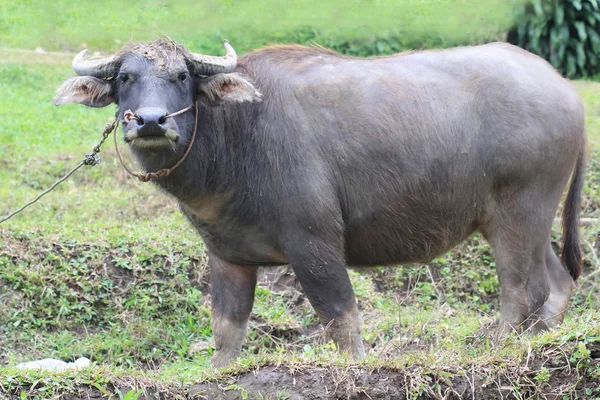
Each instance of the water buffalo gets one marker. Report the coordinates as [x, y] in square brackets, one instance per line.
[306, 157]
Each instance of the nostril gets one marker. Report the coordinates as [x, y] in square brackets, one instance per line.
[151, 118]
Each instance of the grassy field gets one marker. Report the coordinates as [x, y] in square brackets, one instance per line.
[64, 25]
[105, 267]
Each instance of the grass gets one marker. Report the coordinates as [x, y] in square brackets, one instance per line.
[65, 25]
[105, 266]
[525, 367]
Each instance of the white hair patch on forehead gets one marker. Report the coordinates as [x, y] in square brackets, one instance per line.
[166, 54]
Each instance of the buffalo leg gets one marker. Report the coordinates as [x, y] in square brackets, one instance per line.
[321, 271]
[561, 286]
[523, 287]
[232, 295]
[519, 234]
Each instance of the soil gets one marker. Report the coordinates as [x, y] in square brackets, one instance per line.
[356, 383]
[500, 381]
[318, 382]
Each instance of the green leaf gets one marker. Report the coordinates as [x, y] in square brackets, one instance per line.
[555, 60]
[564, 33]
[577, 4]
[580, 26]
[571, 65]
[99, 387]
[594, 40]
[559, 15]
[537, 7]
[534, 38]
[594, 3]
[587, 8]
[562, 50]
[581, 57]
[521, 34]
[554, 39]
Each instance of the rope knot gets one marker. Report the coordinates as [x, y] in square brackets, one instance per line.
[108, 128]
[91, 159]
[153, 175]
[128, 115]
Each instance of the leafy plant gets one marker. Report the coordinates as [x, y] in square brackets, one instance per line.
[564, 32]
[131, 395]
[581, 355]
[543, 375]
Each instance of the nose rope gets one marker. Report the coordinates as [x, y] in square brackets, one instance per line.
[145, 177]
[129, 115]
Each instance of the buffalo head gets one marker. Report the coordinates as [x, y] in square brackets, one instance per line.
[153, 80]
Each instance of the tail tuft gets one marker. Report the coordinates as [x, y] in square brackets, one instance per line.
[571, 253]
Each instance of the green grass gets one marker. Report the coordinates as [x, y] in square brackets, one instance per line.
[105, 267]
[589, 93]
[106, 25]
[524, 366]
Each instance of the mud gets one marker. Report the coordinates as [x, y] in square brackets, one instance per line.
[567, 378]
[355, 383]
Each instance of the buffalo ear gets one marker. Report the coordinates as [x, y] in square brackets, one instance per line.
[227, 88]
[86, 90]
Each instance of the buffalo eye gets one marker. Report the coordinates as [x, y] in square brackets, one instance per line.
[123, 77]
[183, 76]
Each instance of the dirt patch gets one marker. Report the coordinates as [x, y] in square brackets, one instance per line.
[545, 374]
[315, 383]
[280, 280]
[21, 56]
[506, 382]
[554, 372]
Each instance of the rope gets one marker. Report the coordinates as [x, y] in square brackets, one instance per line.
[93, 158]
[89, 159]
[145, 177]
[58, 182]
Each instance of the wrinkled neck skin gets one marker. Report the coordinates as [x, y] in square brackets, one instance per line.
[209, 167]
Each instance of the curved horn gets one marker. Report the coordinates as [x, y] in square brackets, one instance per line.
[100, 68]
[211, 65]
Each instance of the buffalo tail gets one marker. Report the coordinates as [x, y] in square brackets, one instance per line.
[571, 253]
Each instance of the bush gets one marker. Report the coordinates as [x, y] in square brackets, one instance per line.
[368, 46]
[365, 46]
[564, 32]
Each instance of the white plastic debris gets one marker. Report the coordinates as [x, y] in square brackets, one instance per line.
[51, 364]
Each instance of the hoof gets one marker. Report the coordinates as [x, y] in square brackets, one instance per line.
[221, 359]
